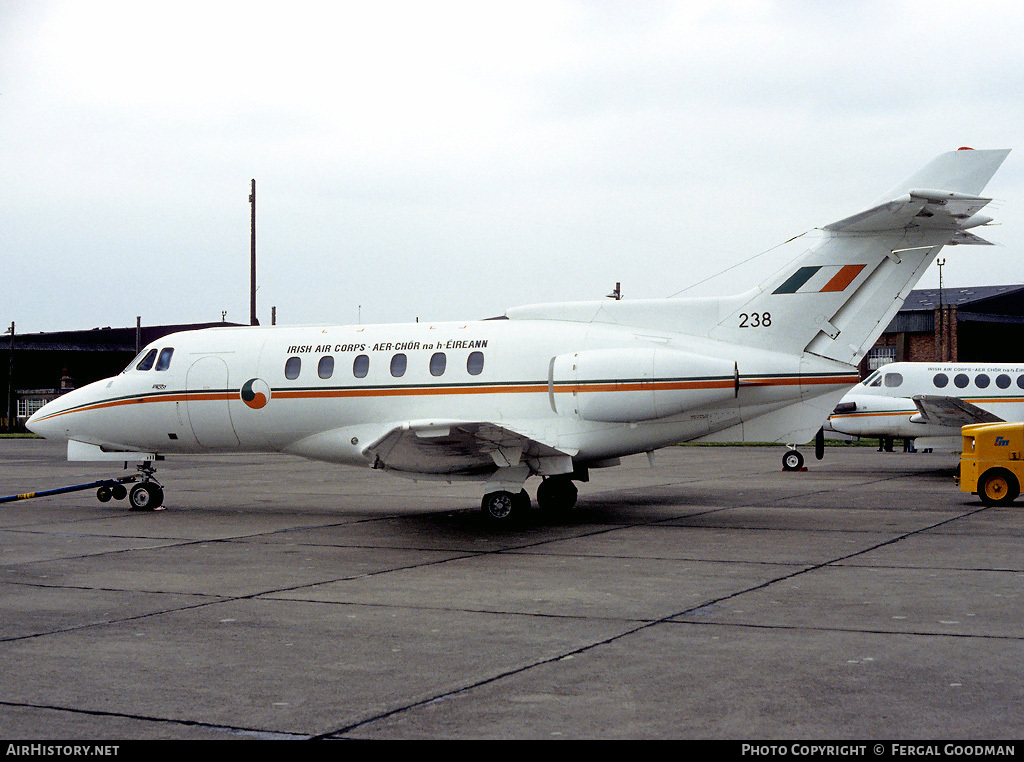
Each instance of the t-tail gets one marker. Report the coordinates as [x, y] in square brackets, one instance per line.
[836, 298]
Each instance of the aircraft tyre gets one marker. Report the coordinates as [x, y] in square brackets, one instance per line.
[503, 506]
[792, 461]
[556, 494]
[145, 496]
[998, 486]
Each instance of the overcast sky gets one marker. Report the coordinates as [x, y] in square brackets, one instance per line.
[448, 160]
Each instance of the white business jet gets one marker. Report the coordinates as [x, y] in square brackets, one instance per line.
[552, 390]
[929, 402]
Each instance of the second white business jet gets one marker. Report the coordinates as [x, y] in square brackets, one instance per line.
[930, 402]
[551, 391]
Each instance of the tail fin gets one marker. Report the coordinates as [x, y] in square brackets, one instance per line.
[837, 298]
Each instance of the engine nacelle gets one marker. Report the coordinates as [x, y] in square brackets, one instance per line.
[628, 385]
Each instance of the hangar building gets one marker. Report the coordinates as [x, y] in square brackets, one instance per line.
[976, 324]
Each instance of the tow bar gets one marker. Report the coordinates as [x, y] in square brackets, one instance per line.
[147, 494]
[108, 485]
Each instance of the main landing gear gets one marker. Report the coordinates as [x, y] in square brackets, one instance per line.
[146, 494]
[556, 495]
[793, 460]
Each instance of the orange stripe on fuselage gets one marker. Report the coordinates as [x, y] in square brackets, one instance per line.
[176, 397]
[900, 413]
[806, 381]
[408, 391]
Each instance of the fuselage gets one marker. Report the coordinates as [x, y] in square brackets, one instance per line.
[883, 406]
[596, 391]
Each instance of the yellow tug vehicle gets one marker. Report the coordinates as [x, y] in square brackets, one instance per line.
[992, 461]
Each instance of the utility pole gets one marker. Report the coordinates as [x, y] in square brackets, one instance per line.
[252, 258]
[942, 315]
[10, 384]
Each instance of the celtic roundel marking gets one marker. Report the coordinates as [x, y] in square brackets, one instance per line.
[255, 393]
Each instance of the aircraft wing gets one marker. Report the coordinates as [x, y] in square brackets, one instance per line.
[950, 411]
[465, 448]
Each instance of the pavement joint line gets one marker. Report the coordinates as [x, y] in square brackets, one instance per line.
[668, 620]
[466, 555]
[832, 562]
[254, 732]
[865, 631]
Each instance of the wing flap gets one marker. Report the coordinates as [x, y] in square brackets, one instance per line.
[464, 448]
[950, 411]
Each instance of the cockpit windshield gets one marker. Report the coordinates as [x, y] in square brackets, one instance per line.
[875, 379]
[134, 362]
[148, 359]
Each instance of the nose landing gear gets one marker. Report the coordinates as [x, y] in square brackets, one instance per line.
[146, 494]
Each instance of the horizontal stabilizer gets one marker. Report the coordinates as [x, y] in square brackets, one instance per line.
[950, 411]
[963, 238]
[943, 210]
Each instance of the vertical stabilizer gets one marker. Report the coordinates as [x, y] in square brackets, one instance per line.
[837, 297]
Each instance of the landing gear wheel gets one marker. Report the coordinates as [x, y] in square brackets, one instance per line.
[145, 496]
[556, 494]
[502, 506]
[792, 461]
[998, 487]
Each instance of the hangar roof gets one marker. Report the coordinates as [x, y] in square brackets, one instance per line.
[99, 339]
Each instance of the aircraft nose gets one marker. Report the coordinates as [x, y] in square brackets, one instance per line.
[44, 423]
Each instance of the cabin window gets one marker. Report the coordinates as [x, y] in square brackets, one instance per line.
[941, 380]
[475, 363]
[960, 380]
[981, 380]
[398, 365]
[1003, 381]
[164, 361]
[437, 363]
[361, 366]
[1020, 382]
[147, 361]
[325, 368]
[893, 379]
[874, 379]
[292, 367]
